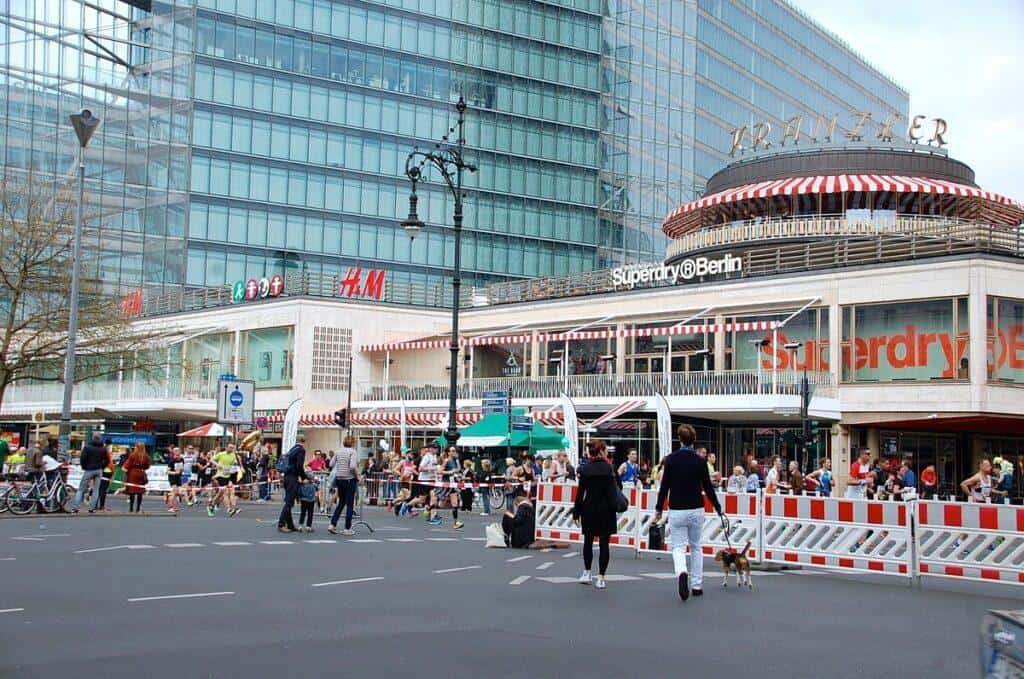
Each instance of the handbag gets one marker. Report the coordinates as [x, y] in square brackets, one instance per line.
[621, 503]
[656, 537]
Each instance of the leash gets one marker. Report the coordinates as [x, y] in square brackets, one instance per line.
[727, 529]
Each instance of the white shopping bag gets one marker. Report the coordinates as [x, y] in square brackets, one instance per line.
[495, 536]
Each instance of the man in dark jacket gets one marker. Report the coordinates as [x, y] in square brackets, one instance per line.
[296, 465]
[92, 462]
[685, 477]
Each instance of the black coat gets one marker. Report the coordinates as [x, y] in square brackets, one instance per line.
[94, 456]
[596, 498]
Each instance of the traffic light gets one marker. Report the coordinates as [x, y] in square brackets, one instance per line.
[341, 418]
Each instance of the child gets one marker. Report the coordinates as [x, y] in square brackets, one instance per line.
[307, 502]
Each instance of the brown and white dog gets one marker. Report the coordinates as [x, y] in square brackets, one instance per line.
[736, 560]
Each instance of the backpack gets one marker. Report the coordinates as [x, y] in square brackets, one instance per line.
[284, 463]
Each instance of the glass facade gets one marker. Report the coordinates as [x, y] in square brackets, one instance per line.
[245, 138]
[131, 65]
[1005, 341]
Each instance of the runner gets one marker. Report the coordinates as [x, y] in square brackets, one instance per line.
[823, 477]
[860, 477]
[227, 468]
[978, 488]
[449, 474]
[175, 468]
[189, 477]
[630, 469]
[427, 476]
[686, 475]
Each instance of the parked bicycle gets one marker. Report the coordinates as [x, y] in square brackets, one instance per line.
[49, 494]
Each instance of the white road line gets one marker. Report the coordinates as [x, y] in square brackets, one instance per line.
[442, 539]
[570, 555]
[320, 542]
[546, 565]
[456, 570]
[475, 539]
[46, 535]
[27, 539]
[520, 580]
[181, 545]
[11, 610]
[7, 558]
[231, 543]
[277, 542]
[615, 577]
[404, 540]
[364, 540]
[197, 595]
[345, 582]
[558, 580]
[546, 550]
[112, 548]
[664, 576]
[519, 558]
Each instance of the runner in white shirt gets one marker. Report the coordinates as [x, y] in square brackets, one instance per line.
[978, 488]
[427, 476]
[860, 477]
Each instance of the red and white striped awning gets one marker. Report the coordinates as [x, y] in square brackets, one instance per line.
[434, 420]
[1006, 210]
[743, 326]
[620, 409]
[308, 421]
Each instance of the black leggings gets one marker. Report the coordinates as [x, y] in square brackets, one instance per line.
[603, 556]
[135, 503]
[306, 513]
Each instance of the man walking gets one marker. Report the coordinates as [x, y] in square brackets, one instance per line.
[345, 464]
[296, 462]
[685, 476]
[92, 461]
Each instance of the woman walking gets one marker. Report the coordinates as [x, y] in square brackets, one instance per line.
[595, 510]
[135, 477]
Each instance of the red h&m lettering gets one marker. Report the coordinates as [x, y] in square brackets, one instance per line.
[350, 284]
[132, 304]
[374, 283]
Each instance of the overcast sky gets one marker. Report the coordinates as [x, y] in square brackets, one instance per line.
[962, 60]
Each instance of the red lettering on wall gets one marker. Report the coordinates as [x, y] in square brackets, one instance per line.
[350, 284]
[1015, 347]
[907, 358]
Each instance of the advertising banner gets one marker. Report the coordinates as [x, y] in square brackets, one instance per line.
[291, 425]
[664, 426]
[572, 429]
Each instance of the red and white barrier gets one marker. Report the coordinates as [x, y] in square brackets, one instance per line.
[905, 539]
[971, 541]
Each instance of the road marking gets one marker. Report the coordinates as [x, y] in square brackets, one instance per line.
[558, 580]
[197, 595]
[393, 528]
[181, 545]
[456, 570]
[232, 544]
[43, 536]
[546, 550]
[546, 565]
[404, 540]
[277, 542]
[364, 540]
[519, 558]
[320, 542]
[520, 580]
[475, 539]
[345, 582]
[28, 539]
[11, 610]
[664, 576]
[7, 558]
[620, 578]
[114, 547]
[442, 539]
[570, 555]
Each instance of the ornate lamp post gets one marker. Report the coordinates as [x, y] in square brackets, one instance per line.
[451, 163]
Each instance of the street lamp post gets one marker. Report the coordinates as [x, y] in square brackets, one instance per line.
[85, 124]
[451, 162]
[805, 398]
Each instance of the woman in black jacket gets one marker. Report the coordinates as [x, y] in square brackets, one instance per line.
[595, 509]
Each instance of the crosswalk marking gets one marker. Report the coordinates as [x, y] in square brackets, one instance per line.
[519, 558]
[456, 570]
[475, 539]
[520, 580]
[546, 565]
[570, 555]
[558, 580]
[232, 543]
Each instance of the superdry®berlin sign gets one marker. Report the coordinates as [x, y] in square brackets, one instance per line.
[686, 270]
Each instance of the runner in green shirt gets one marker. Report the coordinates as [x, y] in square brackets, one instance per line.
[227, 465]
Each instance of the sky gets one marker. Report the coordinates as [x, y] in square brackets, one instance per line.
[960, 60]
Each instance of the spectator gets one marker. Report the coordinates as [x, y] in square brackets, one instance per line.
[135, 477]
[556, 471]
[263, 466]
[295, 466]
[595, 510]
[929, 483]
[318, 463]
[753, 478]
[737, 483]
[34, 465]
[15, 461]
[519, 527]
[645, 474]
[823, 477]
[860, 477]
[773, 481]
[487, 476]
[92, 461]
[5, 450]
[469, 477]
[1005, 484]
[308, 492]
[796, 479]
[108, 474]
[905, 481]
[716, 476]
[978, 488]
[656, 473]
[346, 481]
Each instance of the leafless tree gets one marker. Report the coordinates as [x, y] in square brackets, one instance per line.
[36, 248]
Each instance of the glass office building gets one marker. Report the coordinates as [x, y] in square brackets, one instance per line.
[588, 119]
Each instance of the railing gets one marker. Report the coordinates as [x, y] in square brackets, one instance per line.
[985, 236]
[111, 390]
[638, 385]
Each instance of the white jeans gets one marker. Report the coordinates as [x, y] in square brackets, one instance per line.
[687, 527]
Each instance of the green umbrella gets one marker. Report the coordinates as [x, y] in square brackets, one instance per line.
[492, 432]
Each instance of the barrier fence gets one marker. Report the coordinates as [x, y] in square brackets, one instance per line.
[905, 539]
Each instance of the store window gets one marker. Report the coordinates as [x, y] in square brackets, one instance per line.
[206, 358]
[502, 360]
[688, 353]
[1005, 341]
[809, 329]
[921, 340]
[266, 356]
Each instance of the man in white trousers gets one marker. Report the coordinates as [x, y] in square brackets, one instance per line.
[684, 478]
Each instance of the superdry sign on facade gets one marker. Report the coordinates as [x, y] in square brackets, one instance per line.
[695, 267]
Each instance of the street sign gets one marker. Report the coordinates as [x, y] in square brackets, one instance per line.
[522, 423]
[498, 410]
[495, 403]
[39, 418]
[494, 395]
[235, 400]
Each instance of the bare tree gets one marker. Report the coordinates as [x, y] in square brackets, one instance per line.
[36, 242]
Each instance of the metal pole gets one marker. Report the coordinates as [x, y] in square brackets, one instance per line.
[453, 431]
[64, 443]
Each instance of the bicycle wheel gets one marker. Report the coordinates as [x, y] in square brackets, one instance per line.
[55, 501]
[497, 497]
[4, 492]
[20, 503]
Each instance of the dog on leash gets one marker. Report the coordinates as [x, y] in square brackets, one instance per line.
[736, 561]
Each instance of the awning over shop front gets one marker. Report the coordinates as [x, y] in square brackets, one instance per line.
[308, 420]
[434, 420]
[621, 409]
[742, 326]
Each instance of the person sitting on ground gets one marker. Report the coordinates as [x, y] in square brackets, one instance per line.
[737, 483]
[519, 527]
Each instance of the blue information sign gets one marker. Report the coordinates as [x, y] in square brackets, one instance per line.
[522, 423]
[489, 395]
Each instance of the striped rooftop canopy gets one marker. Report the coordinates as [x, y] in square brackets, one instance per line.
[308, 421]
[743, 326]
[1001, 209]
[435, 420]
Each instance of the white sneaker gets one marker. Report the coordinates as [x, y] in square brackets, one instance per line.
[484, 514]
[348, 531]
[600, 584]
[585, 578]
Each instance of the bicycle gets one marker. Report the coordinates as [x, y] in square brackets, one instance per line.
[49, 495]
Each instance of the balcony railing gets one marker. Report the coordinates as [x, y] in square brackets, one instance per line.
[110, 391]
[636, 385]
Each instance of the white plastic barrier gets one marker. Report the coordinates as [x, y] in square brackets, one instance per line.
[157, 475]
[971, 541]
[554, 515]
[744, 516]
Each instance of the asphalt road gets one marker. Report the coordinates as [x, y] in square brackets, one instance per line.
[86, 595]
